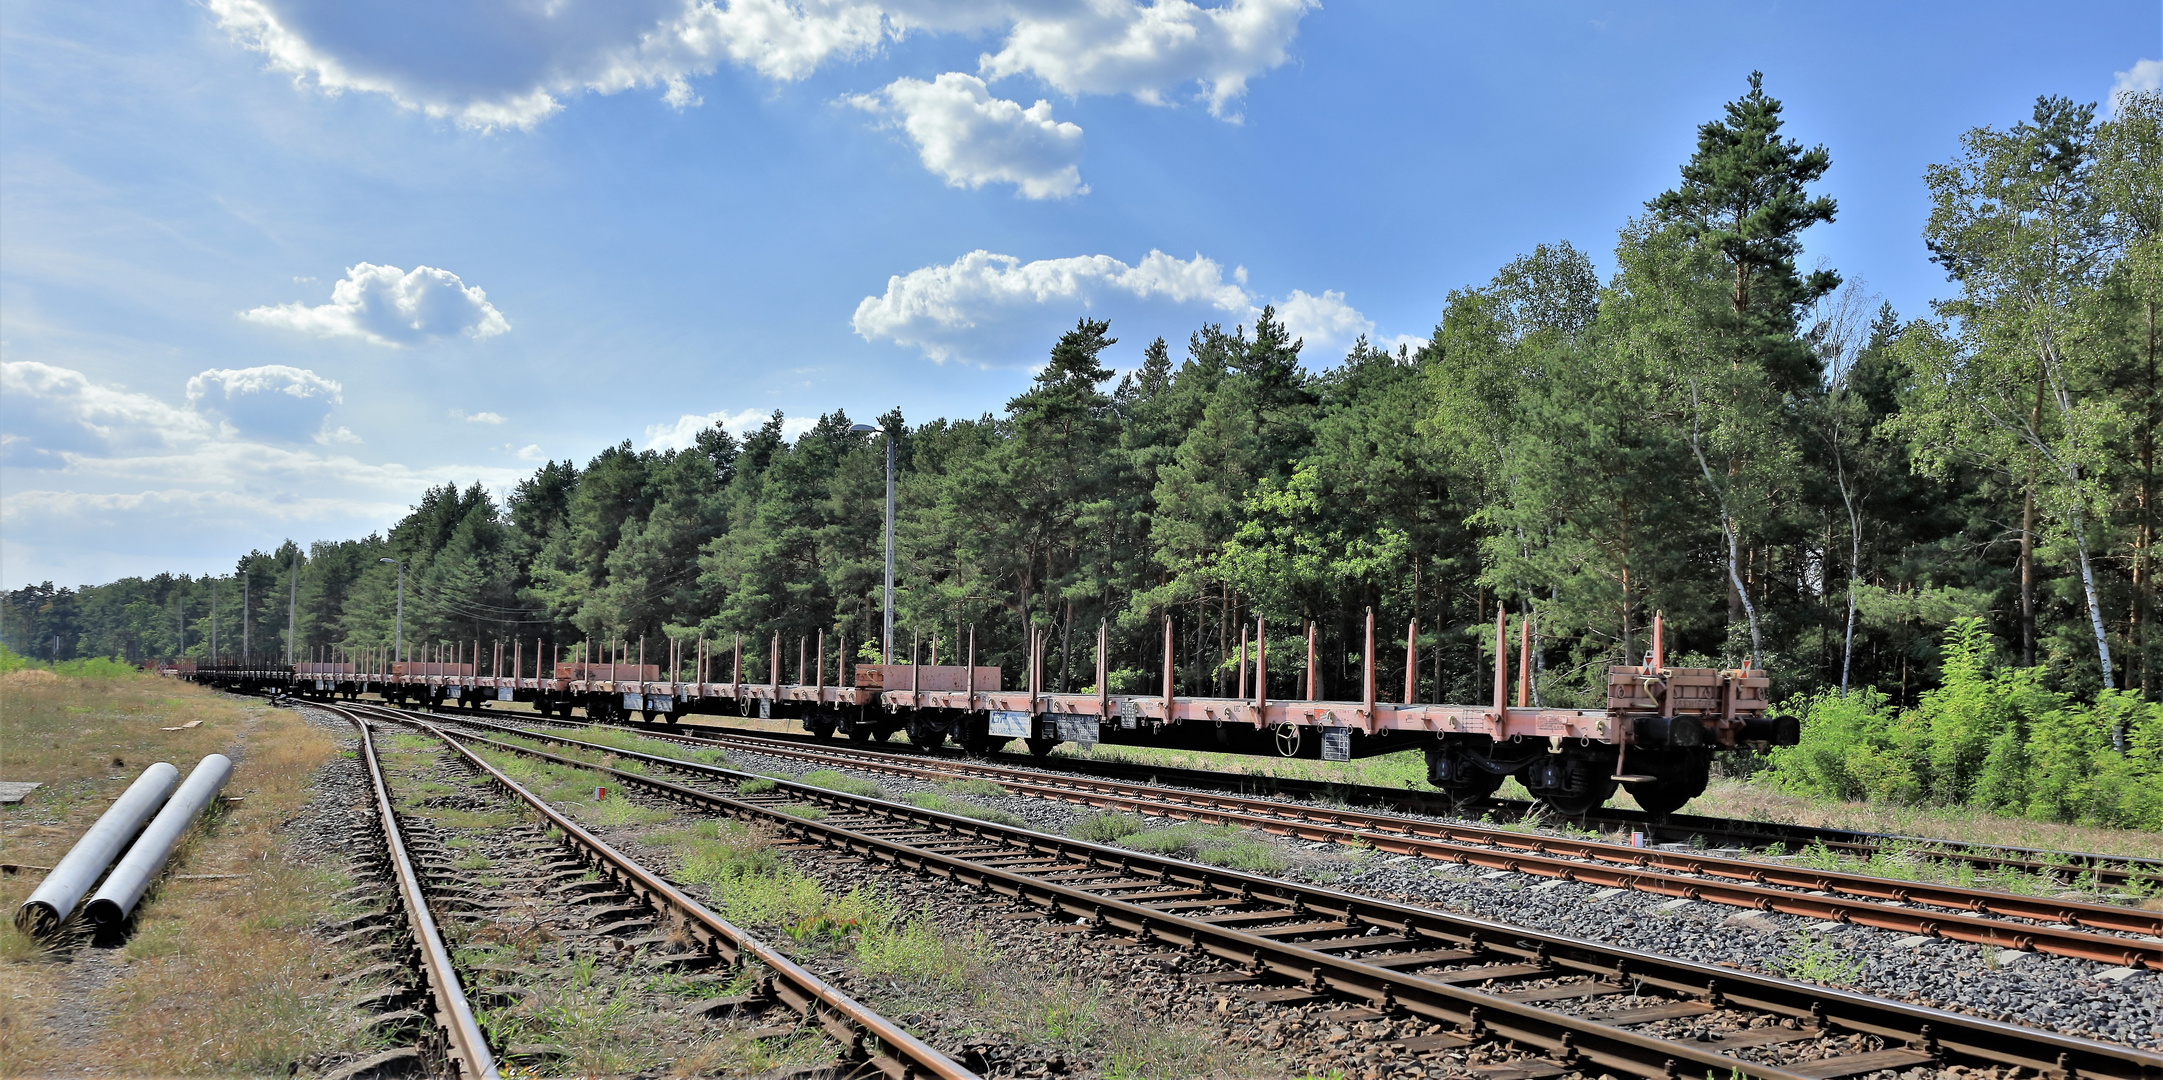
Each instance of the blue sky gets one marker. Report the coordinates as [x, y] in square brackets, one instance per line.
[268, 269]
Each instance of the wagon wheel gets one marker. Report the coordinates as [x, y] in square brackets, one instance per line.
[1288, 740]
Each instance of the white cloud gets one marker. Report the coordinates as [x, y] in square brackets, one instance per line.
[52, 411]
[972, 138]
[389, 306]
[2146, 75]
[102, 480]
[528, 452]
[1124, 47]
[981, 304]
[682, 433]
[477, 418]
[274, 401]
[512, 65]
[509, 65]
[1326, 323]
[996, 310]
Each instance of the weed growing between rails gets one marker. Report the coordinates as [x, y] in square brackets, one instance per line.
[911, 949]
[565, 977]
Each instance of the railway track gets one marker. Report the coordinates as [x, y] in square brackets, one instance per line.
[2098, 932]
[618, 890]
[456, 1037]
[2108, 871]
[1572, 1005]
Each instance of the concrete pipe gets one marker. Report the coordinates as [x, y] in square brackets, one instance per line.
[58, 894]
[140, 866]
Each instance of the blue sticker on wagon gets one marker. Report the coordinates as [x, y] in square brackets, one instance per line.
[1011, 724]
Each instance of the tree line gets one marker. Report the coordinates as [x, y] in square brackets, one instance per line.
[1784, 468]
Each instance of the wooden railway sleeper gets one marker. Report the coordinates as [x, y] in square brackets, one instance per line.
[1985, 1040]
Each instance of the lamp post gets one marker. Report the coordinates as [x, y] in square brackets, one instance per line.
[886, 635]
[398, 647]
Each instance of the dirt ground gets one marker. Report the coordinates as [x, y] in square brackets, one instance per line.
[217, 975]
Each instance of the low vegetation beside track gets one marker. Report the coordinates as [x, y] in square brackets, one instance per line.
[216, 977]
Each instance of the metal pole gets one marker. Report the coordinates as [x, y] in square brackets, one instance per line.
[292, 611]
[889, 614]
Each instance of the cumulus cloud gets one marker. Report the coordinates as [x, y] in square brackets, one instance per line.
[273, 401]
[2146, 75]
[996, 310]
[388, 306]
[1325, 322]
[972, 138]
[969, 308]
[54, 411]
[477, 418]
[682, 433]
[1125, 47]
[512, 65]
[102, 480]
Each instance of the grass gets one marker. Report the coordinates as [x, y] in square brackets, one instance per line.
[834, 780]
[974, 788]
[1811, 958]
[1216, 845]
[905, 964]
[1105, 828]
[943, 803]
[1760, 802]
[217, 977]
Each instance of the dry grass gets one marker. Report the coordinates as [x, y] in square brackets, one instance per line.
[217, 977]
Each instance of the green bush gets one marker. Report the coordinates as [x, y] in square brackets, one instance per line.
[92, 667]
[1992, 736]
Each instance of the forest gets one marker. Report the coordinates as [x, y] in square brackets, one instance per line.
[1761, 452]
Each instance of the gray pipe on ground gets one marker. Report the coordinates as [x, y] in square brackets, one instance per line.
[58, 894]
[140, 866]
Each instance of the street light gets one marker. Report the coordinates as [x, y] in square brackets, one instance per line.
[886, 638]
[398, 648]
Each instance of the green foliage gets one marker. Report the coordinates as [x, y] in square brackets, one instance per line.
[1104, 828]
[974, 788]
[1991, 736]
[1216, 845]
[947, 804]
[755, 787]
[835, 780]
[1708, 433]
[1814, 959]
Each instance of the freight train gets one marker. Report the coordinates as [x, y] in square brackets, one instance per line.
[1655, 738]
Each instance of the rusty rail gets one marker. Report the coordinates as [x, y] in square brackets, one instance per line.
[1970, 915]
[900, 1055]
[1929, 1035]
[464, 1044]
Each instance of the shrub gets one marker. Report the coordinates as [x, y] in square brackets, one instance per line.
[1991, 736]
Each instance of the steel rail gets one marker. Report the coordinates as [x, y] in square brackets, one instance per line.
[2107, 869]
[1822, 1010]
[2075, 913]
[464, 1043]
[899, 1055]
[1973, 916]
